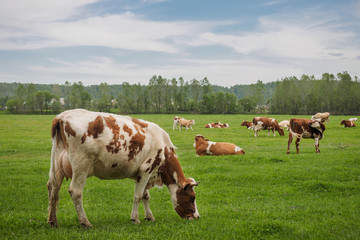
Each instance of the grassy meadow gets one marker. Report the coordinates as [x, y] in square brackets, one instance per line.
[264, 194]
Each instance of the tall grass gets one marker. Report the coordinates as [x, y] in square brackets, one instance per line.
[264, 194]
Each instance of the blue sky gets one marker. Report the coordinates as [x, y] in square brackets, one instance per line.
[229, 42]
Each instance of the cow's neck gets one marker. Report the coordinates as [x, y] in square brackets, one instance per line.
[172, 175]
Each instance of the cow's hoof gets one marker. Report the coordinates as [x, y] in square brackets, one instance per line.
[135, 221]
[152, 219]
[53, 224]
[86, 225]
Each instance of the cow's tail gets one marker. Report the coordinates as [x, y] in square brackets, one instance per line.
[56, 144]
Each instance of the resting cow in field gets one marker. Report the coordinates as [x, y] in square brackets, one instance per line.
[285, 124]
[248, 125]
[305, 128]
[186, 123]
[205, 147]
[321, 117]
[176, 122]
[264, 123]
[217, 125]
[347, 124]
[353, 119]
[110, 146]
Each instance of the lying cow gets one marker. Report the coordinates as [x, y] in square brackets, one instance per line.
[110, 146]
[186, 123]
[321, 117]
[217, 125]
[347, 124]
[205, 147]
[285, 124]
[305, 128]
[353, 119]
[248, 125]
[264, 123]
[176, 122]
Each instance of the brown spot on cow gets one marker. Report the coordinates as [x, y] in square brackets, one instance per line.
[136, 144]
[122, 137]
[170, 166]
[157, 160]
[140, 123]
[138, 179]
[127, 129]
[69, 130]
[96, 127]
[114, 145]
[114, 165]
[148, 161]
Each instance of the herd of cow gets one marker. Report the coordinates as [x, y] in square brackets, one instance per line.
[110, 146]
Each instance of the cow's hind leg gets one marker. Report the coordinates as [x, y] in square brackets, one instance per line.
[289, 142]
[54, 185]
[146, 198]
[76, 192]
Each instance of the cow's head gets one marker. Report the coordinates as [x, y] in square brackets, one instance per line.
[185, 200]
[192, 122]
[342, 122]
[281, 131]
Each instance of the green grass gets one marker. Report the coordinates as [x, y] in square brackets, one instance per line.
[264, 194]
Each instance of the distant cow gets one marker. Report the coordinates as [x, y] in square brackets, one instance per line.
[186, 123]
[264, 123]
[176, 122]
[205, 147]
[110, 146]
[347, 124]
[217, 125]
[305, 128]
[248, 125]
[285, 124]
[353, 119]
[321, 117]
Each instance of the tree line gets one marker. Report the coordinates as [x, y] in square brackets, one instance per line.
[338, 94]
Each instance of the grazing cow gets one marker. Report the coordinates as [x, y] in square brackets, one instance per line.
[321, 117]
[353, 119]
[347, 124]
[248, 125]
[110, 146]
[285, 124]
[186, 123]
[264, 123]
[176, 122]
[205, 147]
[305, 128]
[217, 125]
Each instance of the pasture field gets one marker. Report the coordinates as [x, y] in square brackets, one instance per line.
[264, 194]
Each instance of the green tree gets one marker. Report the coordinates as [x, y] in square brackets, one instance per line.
[43, 100]
[105, 99]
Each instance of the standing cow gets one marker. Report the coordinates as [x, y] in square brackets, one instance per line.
[176, 122]
[305, 128]
[110, 146]
[186, 123]
[264, 123]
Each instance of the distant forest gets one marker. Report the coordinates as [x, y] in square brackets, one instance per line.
[337, 94]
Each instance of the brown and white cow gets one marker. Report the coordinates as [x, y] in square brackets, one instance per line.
[305, 128]
[217, 125]
[265, 123]
[353, 119]
[248, 125]
[347, 123]
[205, 147]
[176, 122]
[321, 117]
[285, 124]
[110, 146]
[186, 123]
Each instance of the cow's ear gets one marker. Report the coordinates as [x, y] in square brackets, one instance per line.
[190, 185]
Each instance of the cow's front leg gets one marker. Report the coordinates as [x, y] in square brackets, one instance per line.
[138, 195]
[317, 145]
[146, 198]
[273, 130]
[297, 143]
